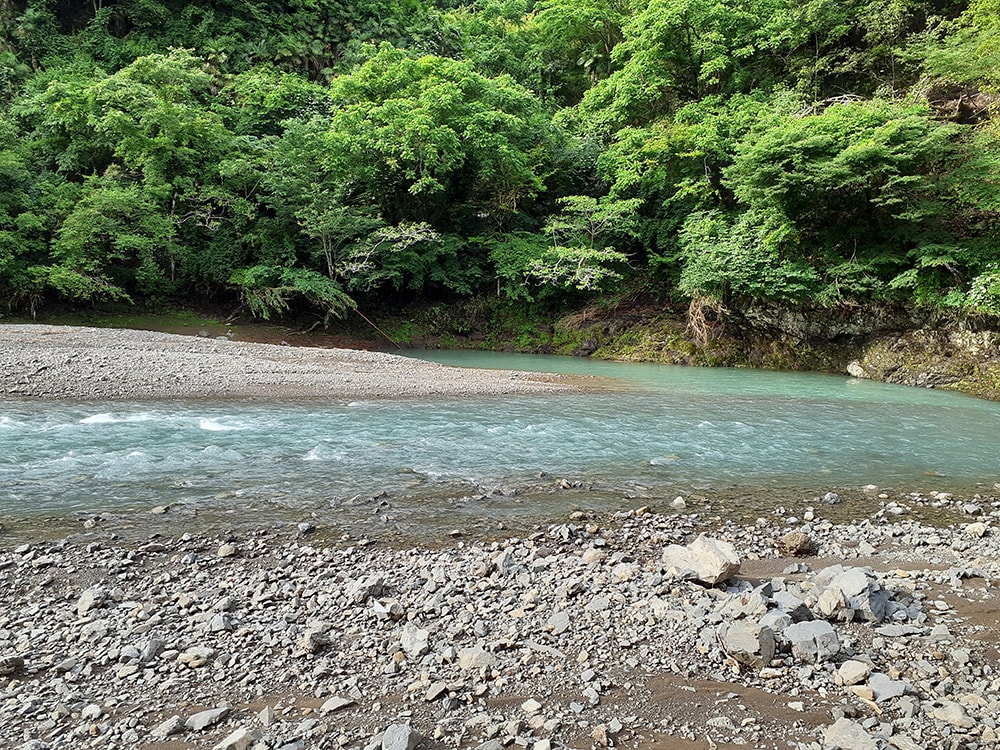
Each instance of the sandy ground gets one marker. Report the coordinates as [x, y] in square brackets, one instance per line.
[65, 362]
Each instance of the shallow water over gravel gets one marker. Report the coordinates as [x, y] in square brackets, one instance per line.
[451, 462]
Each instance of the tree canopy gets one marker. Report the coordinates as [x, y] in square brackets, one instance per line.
[317, 155]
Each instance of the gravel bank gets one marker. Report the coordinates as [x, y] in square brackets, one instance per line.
[65, 362]
[588, 633]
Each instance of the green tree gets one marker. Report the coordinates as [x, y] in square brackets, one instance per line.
[115, 241]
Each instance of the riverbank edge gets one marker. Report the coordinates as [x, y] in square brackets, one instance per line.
[927, 348]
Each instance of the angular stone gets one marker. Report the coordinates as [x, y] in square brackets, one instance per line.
[363, 589]
[335, 704]
[796, 544]
[710, 561]
[241, 739]
[850, 594]
[173, 725]
[952, 713]
[558, 623]
[885, 687]
[599, 603]
[436, 690]
[196, 656]
[220, 623]
[845, 734]
[787, 602]
[475, 658]
[531, 706]
[388, 609]
[91, 712]
[90, 599]
[400, 737]
[851, 672]
[814, 641]
[776, 620]
[316, 637]
[899, 631]
[205, 719]
[10, 664]
[748, 642]
[414, 641]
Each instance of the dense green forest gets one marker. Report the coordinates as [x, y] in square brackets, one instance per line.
[319, 154]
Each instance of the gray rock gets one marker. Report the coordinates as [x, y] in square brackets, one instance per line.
[885, 687]
[336, 703]
[400, 737]
[196, 656]
[91, 712]
[558, 623]
[475, 658]
[436, 690]
[220, 623]
[363, 589]
[173, 725]
[796, 543]
[845, 734]
[414, 641]
[316, 636]
[950, 712]
[90, 599]
[793, 605]
[205, 719]
[750, 643]
[241, 739]
[851, 672]
[814, 641]
[899, 631]
[776, 620]
[850, 594]
[707, 560]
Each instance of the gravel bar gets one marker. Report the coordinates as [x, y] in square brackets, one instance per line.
[67, 362]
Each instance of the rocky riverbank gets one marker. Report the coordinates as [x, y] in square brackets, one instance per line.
[633, 630]
[69, 362]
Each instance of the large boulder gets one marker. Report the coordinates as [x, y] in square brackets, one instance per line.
[710, 561]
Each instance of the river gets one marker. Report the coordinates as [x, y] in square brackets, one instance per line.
[653, 432]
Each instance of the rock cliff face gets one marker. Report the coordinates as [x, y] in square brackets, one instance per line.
[968, 361]
[923, 348]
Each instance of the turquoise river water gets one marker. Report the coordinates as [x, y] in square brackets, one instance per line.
[658, 432]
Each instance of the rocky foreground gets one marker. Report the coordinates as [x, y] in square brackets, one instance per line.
[639, 630]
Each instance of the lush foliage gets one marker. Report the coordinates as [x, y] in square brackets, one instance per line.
[316, 156]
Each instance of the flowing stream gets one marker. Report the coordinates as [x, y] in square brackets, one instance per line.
[655, 432]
